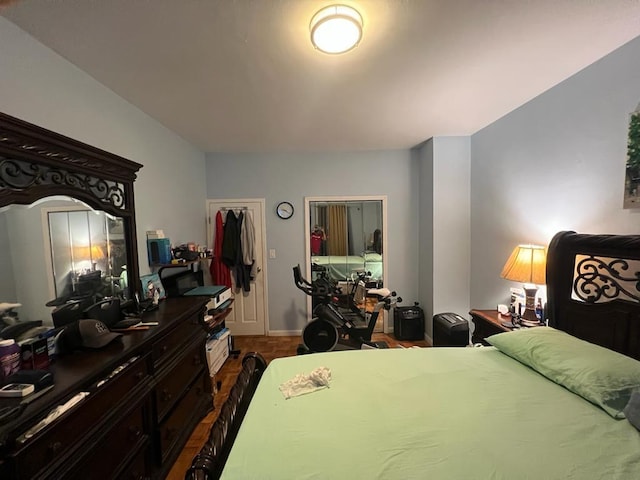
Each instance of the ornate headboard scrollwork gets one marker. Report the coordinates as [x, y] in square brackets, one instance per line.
[593, 289]
[36, 163]
[602, 279]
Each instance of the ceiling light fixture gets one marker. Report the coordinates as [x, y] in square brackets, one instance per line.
[336, 29]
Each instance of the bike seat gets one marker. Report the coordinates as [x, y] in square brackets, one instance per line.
[381, 292]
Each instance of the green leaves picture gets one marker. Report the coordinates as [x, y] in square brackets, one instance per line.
[632, 176]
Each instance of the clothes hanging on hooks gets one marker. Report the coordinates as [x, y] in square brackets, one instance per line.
[242, 271]
[232, 255]
[220, 274]
[231, 239]
[247, 240]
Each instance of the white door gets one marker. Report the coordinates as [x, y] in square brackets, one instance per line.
[249, 315]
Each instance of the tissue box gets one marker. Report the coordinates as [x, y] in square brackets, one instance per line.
[35, 355]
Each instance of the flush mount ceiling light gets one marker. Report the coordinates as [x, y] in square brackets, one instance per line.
[336, 29]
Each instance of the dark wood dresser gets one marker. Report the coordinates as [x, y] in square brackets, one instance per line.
[146, 393]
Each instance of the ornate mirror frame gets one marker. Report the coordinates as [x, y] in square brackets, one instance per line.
[37, 163]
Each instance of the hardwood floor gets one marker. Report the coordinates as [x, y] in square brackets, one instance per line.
[270, 348]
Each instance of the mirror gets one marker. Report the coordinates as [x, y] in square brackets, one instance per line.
[67, 221]
[56, 250]
[345, 238]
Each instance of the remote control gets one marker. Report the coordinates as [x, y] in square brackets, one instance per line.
[16, 390]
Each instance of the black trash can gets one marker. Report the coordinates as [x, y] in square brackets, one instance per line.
[450, 330]
[408, 323]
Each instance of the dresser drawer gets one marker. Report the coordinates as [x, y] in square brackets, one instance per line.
[59, 440]
[170, 345]
[172, 428]
[174, 383]
[129, 438]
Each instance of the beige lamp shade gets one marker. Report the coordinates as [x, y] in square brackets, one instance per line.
[527, 264]
[93, 252]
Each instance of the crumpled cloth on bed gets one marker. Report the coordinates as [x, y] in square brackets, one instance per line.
[302, 384]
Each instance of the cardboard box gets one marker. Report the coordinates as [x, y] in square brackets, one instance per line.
[35, 355]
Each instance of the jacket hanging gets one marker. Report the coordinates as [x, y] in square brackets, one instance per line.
[220, 274]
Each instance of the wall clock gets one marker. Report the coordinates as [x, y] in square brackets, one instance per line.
[284, 210]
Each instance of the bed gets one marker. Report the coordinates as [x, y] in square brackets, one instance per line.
[539, 403]
[340, 267]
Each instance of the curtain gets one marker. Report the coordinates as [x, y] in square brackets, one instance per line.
[337, 232]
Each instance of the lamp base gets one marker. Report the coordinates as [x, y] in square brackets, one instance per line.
[530, 305]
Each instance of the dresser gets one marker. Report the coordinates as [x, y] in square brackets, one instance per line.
[146, 393]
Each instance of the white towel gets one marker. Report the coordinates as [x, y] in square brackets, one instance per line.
[302, 384]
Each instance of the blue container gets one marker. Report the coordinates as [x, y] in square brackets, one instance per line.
[159, 251]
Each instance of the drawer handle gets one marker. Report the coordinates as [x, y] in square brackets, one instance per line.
[197, 360]
[166, 395]
[55, 447]
[139, 375]
[164, 348]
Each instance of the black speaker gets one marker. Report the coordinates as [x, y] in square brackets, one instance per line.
[408, 323]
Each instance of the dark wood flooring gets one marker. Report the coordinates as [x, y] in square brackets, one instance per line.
[270, 348]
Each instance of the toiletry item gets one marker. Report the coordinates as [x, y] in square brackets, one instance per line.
[10, 359]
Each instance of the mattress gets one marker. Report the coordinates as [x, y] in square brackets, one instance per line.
[437, 413]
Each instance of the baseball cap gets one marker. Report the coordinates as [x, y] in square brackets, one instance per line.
[85, 333]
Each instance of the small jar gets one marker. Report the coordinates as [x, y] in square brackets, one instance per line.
[9, 359]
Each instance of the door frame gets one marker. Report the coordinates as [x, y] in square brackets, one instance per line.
[263, 234]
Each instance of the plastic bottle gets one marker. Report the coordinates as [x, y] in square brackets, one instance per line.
[539, 313]
[9, 359]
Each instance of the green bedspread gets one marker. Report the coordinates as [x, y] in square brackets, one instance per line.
[433, 413]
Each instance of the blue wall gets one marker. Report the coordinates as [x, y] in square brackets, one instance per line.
[292, 177]
[556, 163]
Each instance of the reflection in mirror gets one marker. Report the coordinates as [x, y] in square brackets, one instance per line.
[345, 242]
[346, 239]
[58, 250]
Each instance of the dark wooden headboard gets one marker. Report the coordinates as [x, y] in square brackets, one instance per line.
[593, 289]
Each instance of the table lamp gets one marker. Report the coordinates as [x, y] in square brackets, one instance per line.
[527, 264]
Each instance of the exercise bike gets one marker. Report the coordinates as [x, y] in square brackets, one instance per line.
[336, 328]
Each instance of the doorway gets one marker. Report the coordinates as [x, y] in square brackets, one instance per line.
[249, 315]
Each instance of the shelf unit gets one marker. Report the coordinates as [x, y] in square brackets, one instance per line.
[187, 264]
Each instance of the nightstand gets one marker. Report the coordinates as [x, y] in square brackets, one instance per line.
[487, 323]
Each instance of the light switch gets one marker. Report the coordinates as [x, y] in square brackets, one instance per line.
[272, 253]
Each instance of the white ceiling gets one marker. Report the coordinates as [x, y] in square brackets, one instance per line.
[242, 76]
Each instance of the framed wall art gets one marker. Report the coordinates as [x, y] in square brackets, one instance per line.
[632, 174]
